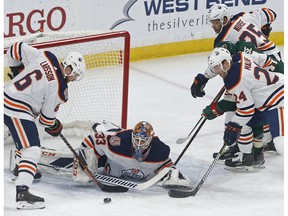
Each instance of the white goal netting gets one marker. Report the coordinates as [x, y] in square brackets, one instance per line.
[103, 93]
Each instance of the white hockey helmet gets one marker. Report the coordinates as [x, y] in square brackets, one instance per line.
[76, 61]
[142, 135]
[217, 56]
[218, 11]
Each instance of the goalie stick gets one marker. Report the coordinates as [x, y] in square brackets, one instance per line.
[217, 97]
[202, 120]
[186, 193]
[88, 172]
[133, 185]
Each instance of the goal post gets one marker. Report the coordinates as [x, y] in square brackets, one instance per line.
[103, 92]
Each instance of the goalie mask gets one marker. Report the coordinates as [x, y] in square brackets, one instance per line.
[77, 63]
[141, 140]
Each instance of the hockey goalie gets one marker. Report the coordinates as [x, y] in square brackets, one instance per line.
[132, 154]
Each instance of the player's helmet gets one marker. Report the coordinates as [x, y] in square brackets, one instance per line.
[218, 55]
[142, 135]
[229, 46]
[218, 11]
[76, 61]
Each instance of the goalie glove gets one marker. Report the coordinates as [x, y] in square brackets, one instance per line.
[56, 129]
[175, 180]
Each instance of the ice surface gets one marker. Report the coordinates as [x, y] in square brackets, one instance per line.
[160, 94]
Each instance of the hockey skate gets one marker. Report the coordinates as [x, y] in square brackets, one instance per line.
[259, 160]
[26, 200]
[270, 147]
[229, 154]
[243, 162]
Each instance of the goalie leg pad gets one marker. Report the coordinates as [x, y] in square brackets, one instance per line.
[90, 160]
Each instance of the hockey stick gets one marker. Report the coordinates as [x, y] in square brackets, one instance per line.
[88, 172]
[186, 193]
[202, 120]
[182, 140]
[217, 97]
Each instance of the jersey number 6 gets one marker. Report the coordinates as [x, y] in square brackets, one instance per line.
[26, 81]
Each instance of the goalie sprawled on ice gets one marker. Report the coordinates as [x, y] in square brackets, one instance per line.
[132, 154]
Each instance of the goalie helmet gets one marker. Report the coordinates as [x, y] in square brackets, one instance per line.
[77, 63]
[216, 58]
[229, 46]
[142, 135]
[218, 11]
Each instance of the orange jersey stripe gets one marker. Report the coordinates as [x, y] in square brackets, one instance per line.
[16, 105]
[264, 47]
[15, 51]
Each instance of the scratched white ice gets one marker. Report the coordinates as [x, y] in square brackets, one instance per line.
[160, 93]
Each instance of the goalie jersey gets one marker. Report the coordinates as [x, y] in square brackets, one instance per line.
[247, 27]
[39, 89]
[253, 87]
[116, 149]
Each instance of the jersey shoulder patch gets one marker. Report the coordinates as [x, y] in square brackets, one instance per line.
[120, 143]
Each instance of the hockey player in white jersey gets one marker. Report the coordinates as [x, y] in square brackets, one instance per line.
[253, 88]
[240, 27]
[31, 101]
[251, 134]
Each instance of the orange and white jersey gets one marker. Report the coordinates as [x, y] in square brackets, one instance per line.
[247, 27]
[39, 89]
[253, 87]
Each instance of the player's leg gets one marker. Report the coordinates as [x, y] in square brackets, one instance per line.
[26, 139]
[244, 158]
[275, 118]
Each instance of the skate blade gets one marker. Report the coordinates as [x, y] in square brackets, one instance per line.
[259, 166]
[272, 153]
[240, 169]
[24, 205]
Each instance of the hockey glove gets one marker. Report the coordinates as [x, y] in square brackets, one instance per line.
[212, 111]
[15, 70]
[266, 29]
[232, 133]
[56, 129]
[198, 86]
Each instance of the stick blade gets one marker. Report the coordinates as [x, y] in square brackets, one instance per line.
[178, 193]
[181, 140]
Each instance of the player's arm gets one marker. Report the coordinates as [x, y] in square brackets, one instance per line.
[18, 55]
[267, 17]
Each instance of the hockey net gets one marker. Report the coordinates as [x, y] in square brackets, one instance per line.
[103, 92]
